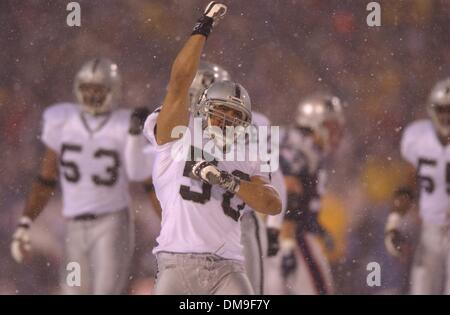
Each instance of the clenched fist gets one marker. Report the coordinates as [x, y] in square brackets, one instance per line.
[214, 12]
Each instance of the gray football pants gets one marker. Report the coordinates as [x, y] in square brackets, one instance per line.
[103, 248]
[431, 267]
[200, 274]
[254, 240]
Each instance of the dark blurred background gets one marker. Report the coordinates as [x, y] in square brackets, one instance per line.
[280, 50]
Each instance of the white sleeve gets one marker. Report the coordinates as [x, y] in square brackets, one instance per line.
[259, 168]
[149, 127]
[138, 158]
[275, 178]
[150, 130]
[408, 143]
[275, 221]
[53, 120]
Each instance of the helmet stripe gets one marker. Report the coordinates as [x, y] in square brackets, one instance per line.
[237, 91]
[96, 63]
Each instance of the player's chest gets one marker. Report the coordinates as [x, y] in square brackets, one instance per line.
[204, 195]
[76, 135]
[94, 158]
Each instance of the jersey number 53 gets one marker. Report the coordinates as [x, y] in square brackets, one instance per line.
[72, 171]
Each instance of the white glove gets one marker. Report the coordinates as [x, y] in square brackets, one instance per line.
[216, 11]
[20, 246]
[209, 173]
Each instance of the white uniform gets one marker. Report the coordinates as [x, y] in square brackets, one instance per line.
[276, 176]
[197, 218]
[92, 175]
[254, 233]
[142, 154]
[94, 191]
[421, 147]
[277, 180]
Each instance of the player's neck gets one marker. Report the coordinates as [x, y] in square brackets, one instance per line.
[97, 115]
[94, 122]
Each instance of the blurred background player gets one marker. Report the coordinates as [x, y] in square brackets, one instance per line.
[273, 223]
[425, 146]
[199, 248]
[302, 267]
[90, 147]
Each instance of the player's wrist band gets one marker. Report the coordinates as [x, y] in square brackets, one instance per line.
[46, 181]
[230, 182]
[24, 222]
[203, 26]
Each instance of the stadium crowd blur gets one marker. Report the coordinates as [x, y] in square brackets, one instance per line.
[281, 51]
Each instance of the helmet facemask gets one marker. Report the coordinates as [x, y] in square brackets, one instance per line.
[225, 109]
[440, 115]
[322, 115]
[439, 107]
[224, 122]
[331, 133]
[94, 97]
[97, 86]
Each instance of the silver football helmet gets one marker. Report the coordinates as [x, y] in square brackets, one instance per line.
[97, 86]
[219, 98]
[439, 107]
[207, 74]
[317, 113]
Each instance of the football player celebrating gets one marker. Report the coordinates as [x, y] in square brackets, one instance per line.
[89, 146]
[199, 249]
[425, 145]
[316, 133]
[253, 232]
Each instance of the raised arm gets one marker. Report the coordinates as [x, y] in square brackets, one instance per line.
[175, 108]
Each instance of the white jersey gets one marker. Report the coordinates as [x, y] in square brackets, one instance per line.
[91, 158]
[276, 177]
[422, 148]
[196, 217]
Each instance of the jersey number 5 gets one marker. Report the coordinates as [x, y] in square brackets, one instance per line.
[427, 182]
